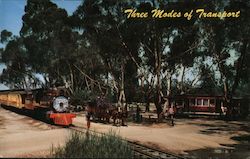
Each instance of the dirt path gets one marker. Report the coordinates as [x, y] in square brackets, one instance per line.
[21, 136]
[186, 135]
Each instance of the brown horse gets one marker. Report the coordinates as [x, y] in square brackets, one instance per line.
[119, 115]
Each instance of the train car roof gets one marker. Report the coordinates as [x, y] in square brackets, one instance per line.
[201, 96]
[192, 95]
[20, 91]
[24, 91]
[12, 90]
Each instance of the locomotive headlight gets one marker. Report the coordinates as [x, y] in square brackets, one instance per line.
[60, 104]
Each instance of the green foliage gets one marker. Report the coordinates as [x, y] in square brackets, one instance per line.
[80, 96]
[91, 145]
[17, 73]
[227, 43]
[5, 36]
[49, 40]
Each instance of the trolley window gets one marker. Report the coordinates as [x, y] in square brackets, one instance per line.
[212, 102]
[199, 101]
[205, 102]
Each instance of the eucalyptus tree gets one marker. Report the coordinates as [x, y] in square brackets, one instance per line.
[141, 43]
[17, 73]
[227, 42]
[104, 22]
[49, 40]
[166, 44]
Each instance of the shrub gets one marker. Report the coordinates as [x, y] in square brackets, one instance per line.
[91, 145]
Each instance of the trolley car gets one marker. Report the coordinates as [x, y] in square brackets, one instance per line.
[208, 105]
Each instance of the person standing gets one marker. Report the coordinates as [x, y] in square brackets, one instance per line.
[171, 113]
[88, 121]
[88, 118]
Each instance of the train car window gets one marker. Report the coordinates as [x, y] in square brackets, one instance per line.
[39, 96]
[212, 101]
[23, 99]
[205, 102]
[199, 101]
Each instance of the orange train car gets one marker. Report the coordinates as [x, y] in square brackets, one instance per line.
[51, 104]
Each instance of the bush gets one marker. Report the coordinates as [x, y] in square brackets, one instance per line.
[91, 145]
[80, 96]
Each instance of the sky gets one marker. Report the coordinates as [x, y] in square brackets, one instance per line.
[11, 12]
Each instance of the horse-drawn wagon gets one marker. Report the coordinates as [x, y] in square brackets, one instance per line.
[101, 110]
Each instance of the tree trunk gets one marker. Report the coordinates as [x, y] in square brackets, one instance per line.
[147, 105]
[158, 78]
[147, 100]
[169, 88]
[182, 79]
[87, 83]
[226, 95]
[122, 98]
[240, 64]
[71, 78]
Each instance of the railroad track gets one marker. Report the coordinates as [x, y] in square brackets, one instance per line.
[140, 151]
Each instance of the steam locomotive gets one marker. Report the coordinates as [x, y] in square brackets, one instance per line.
[51, 104]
